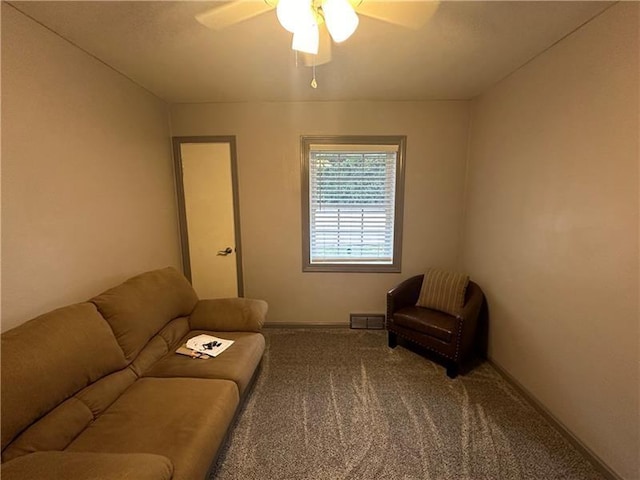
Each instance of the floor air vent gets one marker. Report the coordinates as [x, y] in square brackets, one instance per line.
[374, 321]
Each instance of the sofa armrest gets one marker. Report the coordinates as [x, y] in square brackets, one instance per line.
[105, 466]
[229, 315]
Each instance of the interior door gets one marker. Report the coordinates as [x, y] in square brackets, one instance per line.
[206, 179]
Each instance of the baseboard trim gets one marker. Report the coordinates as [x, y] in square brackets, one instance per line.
[594, 459]
[304, 325]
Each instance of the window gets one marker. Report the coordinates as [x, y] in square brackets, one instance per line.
[352, 191]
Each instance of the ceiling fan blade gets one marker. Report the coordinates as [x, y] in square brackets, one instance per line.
[411, 14]
[233, 12]
[324, 50]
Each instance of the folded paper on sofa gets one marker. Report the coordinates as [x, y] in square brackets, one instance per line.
[208, 344]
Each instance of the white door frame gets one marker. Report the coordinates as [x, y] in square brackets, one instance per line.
[182, 215]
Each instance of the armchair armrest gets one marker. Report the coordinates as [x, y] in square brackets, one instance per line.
[105, 466]
[404, 294]
[229, 315]
[468, 319]
[474, 298]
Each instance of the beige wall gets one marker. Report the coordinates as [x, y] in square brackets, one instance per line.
[87, 179]
[268, 138]
[552, 230]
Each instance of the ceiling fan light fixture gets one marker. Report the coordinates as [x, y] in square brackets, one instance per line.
[341, 19]
[306, 39]
[293, 13]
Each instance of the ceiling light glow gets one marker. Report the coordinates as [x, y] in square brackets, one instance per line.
[292, 14]
[307, 39]
[340, 18]
[301, 17]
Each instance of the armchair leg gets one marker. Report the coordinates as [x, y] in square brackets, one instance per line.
[393, 340]
[452, 371]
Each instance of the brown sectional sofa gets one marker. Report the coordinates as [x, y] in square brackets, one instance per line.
[96, 391]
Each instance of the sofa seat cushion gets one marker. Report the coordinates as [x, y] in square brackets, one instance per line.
[103, 466]
[237, 363]
[183, 419]
[430, 322]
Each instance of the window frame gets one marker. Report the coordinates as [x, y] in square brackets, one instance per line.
[305, 147]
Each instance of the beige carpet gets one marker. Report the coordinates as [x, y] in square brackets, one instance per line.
[339, 404]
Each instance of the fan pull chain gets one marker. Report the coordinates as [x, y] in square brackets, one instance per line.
[314, 84]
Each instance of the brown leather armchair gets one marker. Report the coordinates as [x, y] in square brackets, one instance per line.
[451, 338]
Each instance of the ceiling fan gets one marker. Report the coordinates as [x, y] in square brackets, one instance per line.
[316, 23]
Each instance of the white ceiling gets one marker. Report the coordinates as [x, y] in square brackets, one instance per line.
[464, 49]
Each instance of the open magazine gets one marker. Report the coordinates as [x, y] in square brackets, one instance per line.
[204, 346]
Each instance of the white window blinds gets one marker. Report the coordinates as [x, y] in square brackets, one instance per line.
[352, 203]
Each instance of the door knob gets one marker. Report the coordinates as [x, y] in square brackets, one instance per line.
[225, 252]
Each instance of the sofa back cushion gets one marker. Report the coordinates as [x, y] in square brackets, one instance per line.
[50, 358]
[58, 428]
[140, 307]
[161, 344]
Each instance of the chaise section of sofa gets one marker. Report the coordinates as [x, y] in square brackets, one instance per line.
[95, 466]
[90, 385]
[182, 419]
